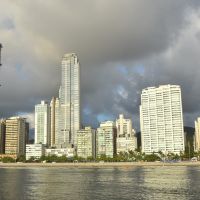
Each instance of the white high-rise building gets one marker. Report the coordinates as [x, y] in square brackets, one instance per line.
[106, 139]
[161, 119]
[126, 140]
[69, 100]
[197, 135]
[42, 124]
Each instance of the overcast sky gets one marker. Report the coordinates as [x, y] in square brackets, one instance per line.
[123, 46]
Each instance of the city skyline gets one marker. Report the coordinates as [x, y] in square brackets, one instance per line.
[117, 63]
[99, 99]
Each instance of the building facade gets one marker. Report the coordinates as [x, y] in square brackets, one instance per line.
[86, 143]
[69, 100]
[2, 136]
[42, 124]
[106, 139]
[68, 152]
[126, 140]
[15, 136]
[197, 135]
[52, 108]
[55, 114]
[34, 151]
[161, 120]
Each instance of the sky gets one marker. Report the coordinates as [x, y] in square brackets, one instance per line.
[123, 47]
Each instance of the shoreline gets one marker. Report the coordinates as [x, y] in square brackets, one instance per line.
[97, 165]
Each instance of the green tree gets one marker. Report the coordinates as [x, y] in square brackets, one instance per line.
[152, 158]
[8, 160]
[21, 158]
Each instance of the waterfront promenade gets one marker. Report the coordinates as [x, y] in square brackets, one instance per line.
[98, 165]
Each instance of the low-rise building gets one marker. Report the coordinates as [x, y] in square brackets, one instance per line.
[68, 152]
[34, 151]
[126, 144]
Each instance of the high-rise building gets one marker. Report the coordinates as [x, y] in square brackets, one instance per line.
[69, 100]
[15, 136]
[2, 136]
[55, 113]
[126, 140]
[42, 124]
[106, 139]
[197, 135]
[27, 132]
[161, 119]
[86, 143]
[52, 106]
[57, 121]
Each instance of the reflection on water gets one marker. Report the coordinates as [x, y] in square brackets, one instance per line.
[100, 184]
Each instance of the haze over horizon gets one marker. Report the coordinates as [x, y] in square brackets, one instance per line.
[123, 47]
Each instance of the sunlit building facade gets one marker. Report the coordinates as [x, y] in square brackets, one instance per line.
[15, 136]
[67, 152]
[55, 114]
[69, 100]
[126, 140]
[106, 139]
[197, 135]
[161, 120]
[34, 151]
[42, 124]
[86, 142]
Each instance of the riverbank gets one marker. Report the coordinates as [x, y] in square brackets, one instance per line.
[96, 165]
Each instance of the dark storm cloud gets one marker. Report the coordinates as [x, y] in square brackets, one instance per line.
[123, 46]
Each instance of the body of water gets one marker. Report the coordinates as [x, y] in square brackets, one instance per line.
[180, 183]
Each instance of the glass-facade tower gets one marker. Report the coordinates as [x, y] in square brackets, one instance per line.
[69, 100]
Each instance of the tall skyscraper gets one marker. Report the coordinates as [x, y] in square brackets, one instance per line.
[126, 140]
[69, 100]
[161, 119]
[42, 124]
[106, 139]
[197, 135]
[15, 136]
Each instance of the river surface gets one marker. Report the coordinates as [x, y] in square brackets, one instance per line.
[179, 182]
